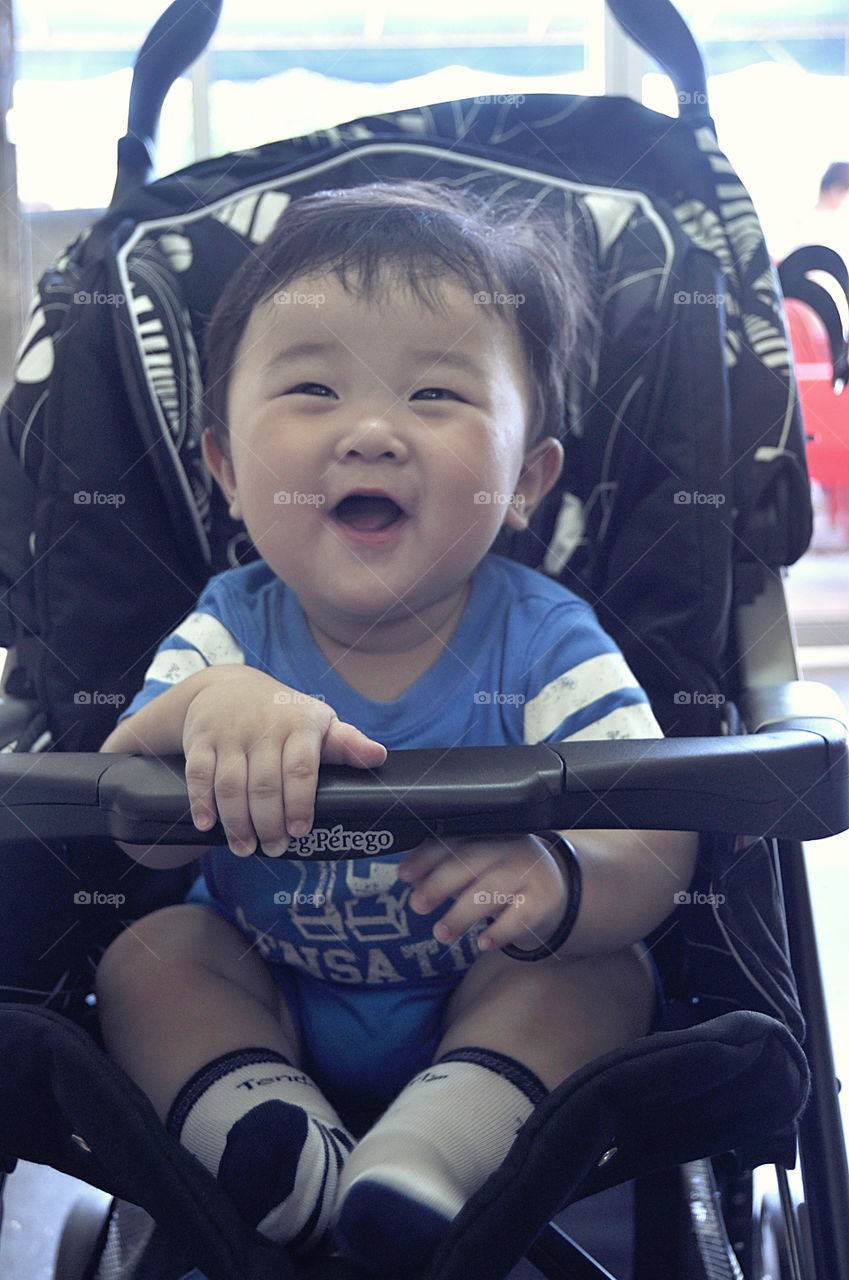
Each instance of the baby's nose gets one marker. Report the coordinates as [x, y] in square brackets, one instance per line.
[371, 438]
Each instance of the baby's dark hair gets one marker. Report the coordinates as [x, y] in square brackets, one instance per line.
[514, 261]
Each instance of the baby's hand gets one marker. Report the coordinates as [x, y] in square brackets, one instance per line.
[253, 748]
[515, 879]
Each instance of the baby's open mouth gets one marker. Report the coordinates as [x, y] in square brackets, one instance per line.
[367, 512]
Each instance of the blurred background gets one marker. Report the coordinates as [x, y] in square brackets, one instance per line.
[779, 86]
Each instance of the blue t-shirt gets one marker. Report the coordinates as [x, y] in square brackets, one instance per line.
[527, 662]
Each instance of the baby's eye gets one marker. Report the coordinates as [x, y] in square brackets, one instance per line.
[311, 389]
[435, 393]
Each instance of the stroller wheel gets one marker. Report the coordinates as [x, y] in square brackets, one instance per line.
[81, 1235]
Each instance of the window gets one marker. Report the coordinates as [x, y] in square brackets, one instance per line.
[270, 72]
[778, 84]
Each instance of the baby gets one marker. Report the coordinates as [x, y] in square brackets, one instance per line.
[351, 1046]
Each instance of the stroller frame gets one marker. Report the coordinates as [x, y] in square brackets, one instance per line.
[145, 804]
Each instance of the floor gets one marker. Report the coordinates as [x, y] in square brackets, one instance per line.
[37, 1199]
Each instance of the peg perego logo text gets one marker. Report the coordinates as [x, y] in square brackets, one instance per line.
[339, 840]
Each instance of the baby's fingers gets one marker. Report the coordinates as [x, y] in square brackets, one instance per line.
[300, 760]
[265, 798]
[231, 801]
[200, 779]
[419, 862]
[345, 744]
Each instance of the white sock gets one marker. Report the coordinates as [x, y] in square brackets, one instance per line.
[269, 1135]
[441, 1138]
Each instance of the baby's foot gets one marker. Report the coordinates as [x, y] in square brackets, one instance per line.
[281, 1167]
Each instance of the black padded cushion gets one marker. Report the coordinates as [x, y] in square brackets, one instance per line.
[737, 1082]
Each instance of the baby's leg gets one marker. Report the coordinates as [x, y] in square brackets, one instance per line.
[179, 988]
[513, 1032]
[192, 1014]
[554, 1015]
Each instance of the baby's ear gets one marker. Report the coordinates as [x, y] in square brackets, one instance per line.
[222, 468]
[539, 474]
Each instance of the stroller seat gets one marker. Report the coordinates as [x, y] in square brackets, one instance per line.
[686, 494]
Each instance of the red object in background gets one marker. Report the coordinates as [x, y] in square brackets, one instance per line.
[825, 412]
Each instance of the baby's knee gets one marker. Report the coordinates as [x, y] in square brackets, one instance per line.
[153, 943]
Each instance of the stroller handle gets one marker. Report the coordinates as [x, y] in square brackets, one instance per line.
[174, 41]
[658, 28]
[791, 779]
[796, 283]
[186, 27]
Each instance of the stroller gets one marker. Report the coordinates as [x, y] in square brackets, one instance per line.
[686, 494]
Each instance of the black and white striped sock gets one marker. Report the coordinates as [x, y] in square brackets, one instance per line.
[272, 1139]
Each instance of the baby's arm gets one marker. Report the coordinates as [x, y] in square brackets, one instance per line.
[252, 748]
[630, 879]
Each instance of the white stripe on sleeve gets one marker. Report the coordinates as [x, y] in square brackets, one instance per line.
[636, 721]
[170, 666]
[211, 639]
[571, 692]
